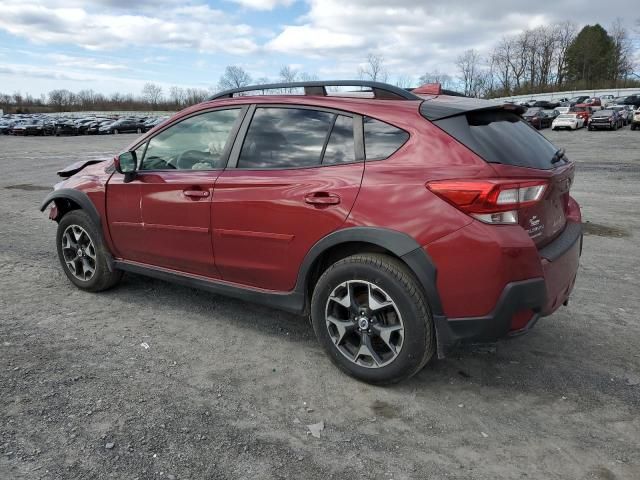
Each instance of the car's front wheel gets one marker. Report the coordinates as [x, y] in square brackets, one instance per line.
[372, 318]
[83, 254]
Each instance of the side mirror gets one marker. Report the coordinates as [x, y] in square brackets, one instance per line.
[126, 164]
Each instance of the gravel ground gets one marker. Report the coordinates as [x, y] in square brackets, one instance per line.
[226, 389]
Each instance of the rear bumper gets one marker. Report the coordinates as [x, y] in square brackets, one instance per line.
[523, 302]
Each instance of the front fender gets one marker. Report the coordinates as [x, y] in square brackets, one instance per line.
[77, 197]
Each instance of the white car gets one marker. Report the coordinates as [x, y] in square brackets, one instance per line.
[563, 110]
[607, 100]
[569, 121]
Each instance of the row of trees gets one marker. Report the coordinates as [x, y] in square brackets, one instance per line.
[550, 58]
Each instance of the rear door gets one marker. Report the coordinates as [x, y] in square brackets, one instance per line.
[294, 175]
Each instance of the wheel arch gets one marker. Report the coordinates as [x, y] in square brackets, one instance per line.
[348, 241]
[67, 199]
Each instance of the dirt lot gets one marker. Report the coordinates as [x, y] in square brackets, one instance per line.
[225, 389]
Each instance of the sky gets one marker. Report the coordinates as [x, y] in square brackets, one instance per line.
[119, 45]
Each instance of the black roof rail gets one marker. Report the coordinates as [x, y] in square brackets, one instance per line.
[381, 91]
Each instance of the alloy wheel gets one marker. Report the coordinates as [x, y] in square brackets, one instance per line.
[364, 323]
[79, 252]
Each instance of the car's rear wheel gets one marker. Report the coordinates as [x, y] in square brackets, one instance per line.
[372, 318]
[83, 254]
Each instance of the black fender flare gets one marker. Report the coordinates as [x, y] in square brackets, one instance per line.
[85, 203]
[398, 243]
[76, 196]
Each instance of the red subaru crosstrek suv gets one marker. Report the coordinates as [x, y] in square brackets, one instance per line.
[403, 222]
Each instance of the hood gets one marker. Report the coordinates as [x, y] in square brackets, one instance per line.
[74, 168]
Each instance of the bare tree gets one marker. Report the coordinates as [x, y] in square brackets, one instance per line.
[623, 51]
[565, 33]
[470, 74]
[307, 77]
[177, 96]
[152, 93]
[234, 77]
[374, 69]
[404, 81]
[288, 74]
[195, 95]
[445, 80]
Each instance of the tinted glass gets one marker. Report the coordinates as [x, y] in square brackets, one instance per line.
[340, 148]
[196, 143]
[381, 140]
[285, 138]
[501, 137]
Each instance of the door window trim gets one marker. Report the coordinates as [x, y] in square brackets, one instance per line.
[358, 136]
[227, 149]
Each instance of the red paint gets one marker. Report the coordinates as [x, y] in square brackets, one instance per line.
[428, 89]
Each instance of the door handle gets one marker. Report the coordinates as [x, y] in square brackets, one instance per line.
[196, 193]
[322, 198]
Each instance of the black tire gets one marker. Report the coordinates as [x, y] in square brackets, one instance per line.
[633, 126]
[102, 278]
[393, 276]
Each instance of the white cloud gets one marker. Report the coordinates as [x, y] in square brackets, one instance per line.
[62, 60]
[184, 27]
[415, 36]
[264, 4]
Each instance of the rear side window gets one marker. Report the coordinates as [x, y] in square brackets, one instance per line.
[285, 138]
[381, 140]
[501, 137]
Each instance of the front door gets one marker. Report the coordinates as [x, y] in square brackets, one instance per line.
[163, 217]
[296, 177]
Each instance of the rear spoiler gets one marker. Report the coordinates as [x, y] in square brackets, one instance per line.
[445, 106]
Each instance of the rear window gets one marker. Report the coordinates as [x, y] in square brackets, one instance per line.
[501, 137]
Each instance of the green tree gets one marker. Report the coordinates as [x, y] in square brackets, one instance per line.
[590, 57]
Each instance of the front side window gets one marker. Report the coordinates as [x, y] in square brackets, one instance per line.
[381, 140]
[285, 138]
[196, 143]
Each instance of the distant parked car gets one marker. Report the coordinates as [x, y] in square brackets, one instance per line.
[635, 123]
[575, 101]
[124, 125]
[66, 127]
[567, 121]
[537, 118]
[545, 104]
[152, 122]
[583, 110]
[605, 119]
[632, 100]
[563, 110]
[607, 100]
[595, 103]
[625, 112]
[34, 127]
[553, 113]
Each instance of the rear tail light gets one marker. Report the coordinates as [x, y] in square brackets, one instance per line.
[495, 201]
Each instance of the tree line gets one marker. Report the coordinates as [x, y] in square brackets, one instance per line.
[551, 58]
[545, 59]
